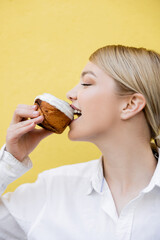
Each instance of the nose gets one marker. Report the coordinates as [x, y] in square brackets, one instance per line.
[72, 94]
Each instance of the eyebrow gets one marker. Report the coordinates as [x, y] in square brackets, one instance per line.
[86, 72]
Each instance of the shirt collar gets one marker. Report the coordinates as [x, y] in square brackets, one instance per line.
[155, 180]
[97, 177]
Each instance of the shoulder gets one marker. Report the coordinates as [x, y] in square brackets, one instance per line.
[84, 169]
[63, 181]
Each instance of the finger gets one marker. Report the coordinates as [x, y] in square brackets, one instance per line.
[23, 130]
[36, 120]
[34, 106]
[42, 133]
[18, 130]
[24, 112]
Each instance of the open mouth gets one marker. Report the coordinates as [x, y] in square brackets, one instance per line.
[77, 114]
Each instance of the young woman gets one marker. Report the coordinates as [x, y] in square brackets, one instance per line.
[114, 197]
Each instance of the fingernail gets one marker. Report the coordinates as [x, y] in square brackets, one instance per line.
[40, 118]
[35, 113]
[34, 106]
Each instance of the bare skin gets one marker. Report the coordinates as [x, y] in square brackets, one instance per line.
[116, 126]
[22, 137]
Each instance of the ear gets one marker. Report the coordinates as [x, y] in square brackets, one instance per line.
[132, 105]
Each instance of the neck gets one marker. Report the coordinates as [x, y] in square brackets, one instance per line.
[128, 160]
[128, 166]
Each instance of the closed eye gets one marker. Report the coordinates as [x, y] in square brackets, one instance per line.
[84, 84]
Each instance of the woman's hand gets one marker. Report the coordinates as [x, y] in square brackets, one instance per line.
[22, 137]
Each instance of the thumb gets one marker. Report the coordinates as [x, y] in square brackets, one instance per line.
[42, 133]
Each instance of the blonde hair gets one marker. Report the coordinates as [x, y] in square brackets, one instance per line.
[135, 70]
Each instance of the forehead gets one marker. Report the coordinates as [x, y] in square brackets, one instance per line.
[101, 75]
[94, 68]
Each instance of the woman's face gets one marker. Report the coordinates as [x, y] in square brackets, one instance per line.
[97, 102]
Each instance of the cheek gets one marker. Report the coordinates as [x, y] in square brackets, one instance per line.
[99, 110]
[99, 116]
[89, 99]
[92, 102]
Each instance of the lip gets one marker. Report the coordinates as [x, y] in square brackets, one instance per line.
[74, 120]
[74, 107]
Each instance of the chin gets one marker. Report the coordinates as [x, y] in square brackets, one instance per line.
[74, 136]
[78, 136]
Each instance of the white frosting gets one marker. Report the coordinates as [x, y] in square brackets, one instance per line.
[62, 105]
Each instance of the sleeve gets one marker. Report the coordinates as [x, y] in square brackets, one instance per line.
[9, 228]
[11, 168]
[18, 209]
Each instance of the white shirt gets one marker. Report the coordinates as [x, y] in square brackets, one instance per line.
[74, 202]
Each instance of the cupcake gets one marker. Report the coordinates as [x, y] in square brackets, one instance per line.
[57, 113]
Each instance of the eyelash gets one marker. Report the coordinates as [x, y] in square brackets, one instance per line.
[85, 84]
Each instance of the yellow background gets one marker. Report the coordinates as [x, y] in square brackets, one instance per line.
[44, 45]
